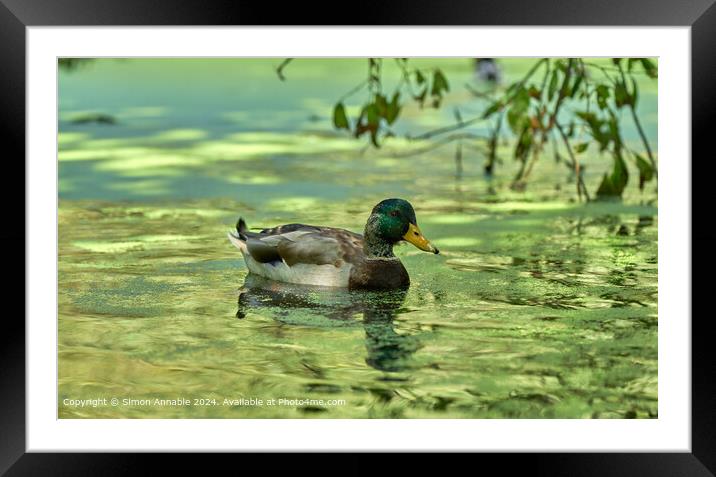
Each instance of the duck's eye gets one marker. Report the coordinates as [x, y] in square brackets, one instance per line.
[394, 213]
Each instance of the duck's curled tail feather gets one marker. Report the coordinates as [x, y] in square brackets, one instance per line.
[239, 237]
[241, 228]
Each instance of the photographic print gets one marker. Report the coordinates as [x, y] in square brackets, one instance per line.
[450, 238]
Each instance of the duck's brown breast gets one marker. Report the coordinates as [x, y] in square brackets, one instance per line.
[379, 274]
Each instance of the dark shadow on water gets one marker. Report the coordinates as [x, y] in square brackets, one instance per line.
[303, 305]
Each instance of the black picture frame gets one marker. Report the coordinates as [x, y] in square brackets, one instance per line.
[700, 15]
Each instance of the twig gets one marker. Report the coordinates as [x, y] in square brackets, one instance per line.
[531, 72]
[526, 169]
[632, 109]
[492, 145]
[447, 129]
[438, 144]
[575, 164]
[476, 93]
[354, 90]
[606, 69]
[643, 138]
[458, 161]
[279, 68]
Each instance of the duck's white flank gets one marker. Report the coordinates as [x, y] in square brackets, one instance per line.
[300, 273]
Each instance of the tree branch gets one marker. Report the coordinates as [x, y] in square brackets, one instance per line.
[279, 68]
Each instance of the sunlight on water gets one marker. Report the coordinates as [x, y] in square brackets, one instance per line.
[538, 306]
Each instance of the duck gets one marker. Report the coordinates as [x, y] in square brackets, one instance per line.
[334, 257]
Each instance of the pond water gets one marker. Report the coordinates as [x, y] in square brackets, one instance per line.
[538, 306]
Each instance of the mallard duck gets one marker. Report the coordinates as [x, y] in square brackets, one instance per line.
[327, 256]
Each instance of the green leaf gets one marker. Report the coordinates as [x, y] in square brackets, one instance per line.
[340, 120]
[587, 116]
[368, 121]
[581, 147]
[494, 107]
[570, 130]
[602, 96]
[614, 134]
[421, 97]
[621, 95]
[553, 83]
[595, 126]
[575, 86]
[440, 84]
[371, 114]
[646, 172]
[614, 184]
[419, 78]
[381, 104]
[517, 114]
[635, 92]
[524, 145]
[649, 67]
[393, 109]
[515, 120]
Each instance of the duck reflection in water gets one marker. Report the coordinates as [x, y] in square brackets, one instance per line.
[323, 306]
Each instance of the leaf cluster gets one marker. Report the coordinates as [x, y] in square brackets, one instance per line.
[572, 102]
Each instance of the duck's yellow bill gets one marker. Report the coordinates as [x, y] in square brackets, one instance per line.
[415, 236]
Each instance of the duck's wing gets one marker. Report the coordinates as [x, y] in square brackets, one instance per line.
[304, 244]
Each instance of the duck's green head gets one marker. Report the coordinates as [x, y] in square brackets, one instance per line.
[391, 221]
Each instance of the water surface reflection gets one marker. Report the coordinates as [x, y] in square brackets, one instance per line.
[304, 305]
